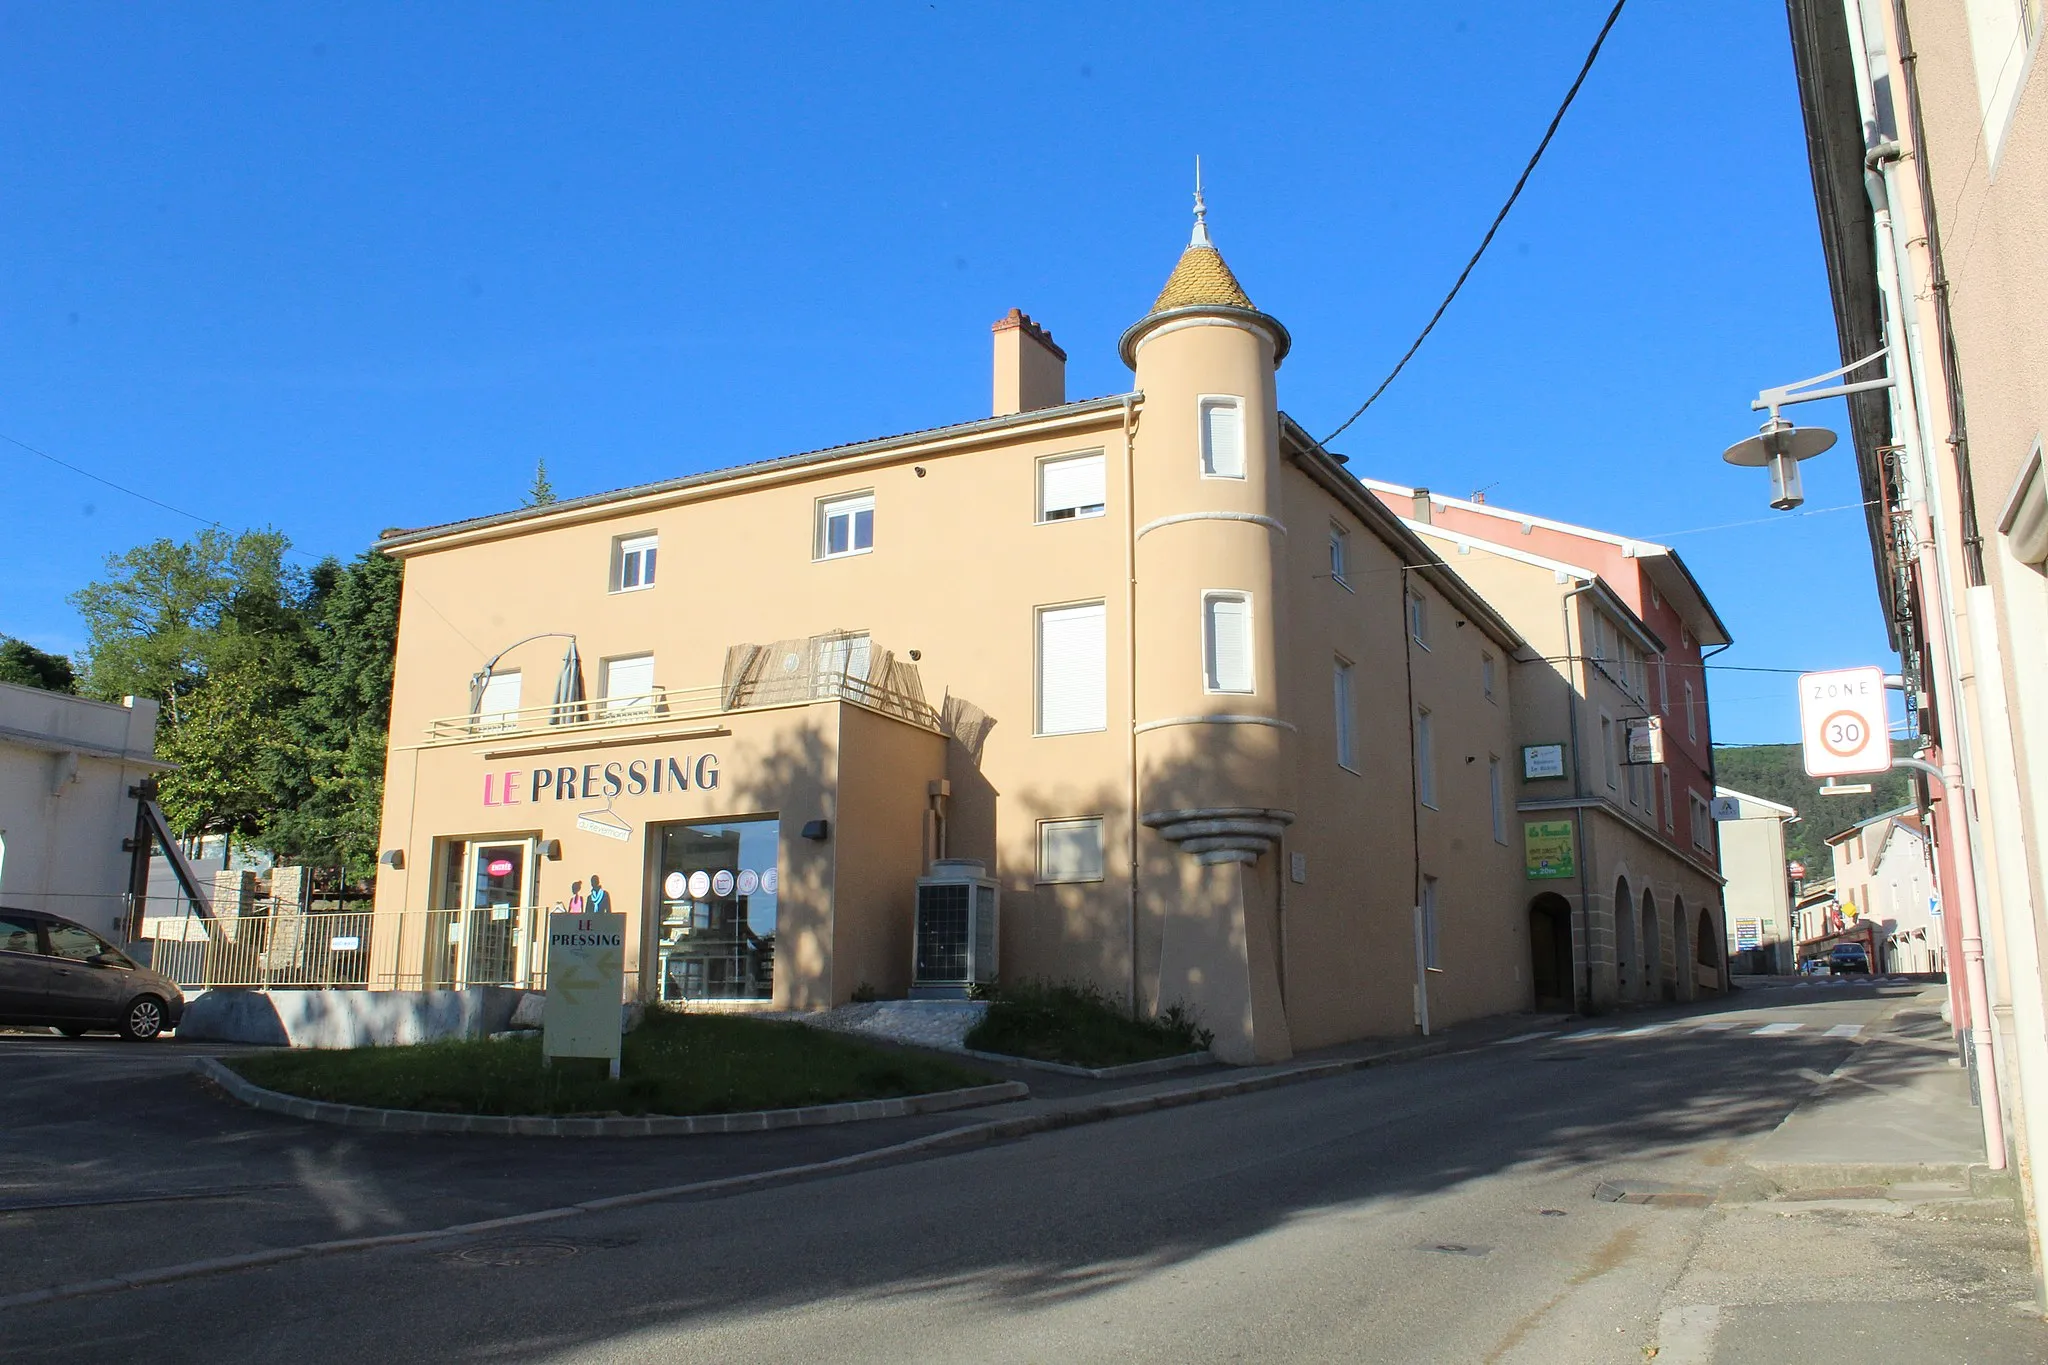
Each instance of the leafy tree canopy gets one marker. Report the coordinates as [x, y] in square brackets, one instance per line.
[22, 664]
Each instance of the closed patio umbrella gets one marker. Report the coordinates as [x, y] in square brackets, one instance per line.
[569, 708]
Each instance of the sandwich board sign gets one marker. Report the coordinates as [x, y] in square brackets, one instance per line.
[1844, 727]
[586, 987]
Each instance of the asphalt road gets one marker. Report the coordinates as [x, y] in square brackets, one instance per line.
[1440, 1210]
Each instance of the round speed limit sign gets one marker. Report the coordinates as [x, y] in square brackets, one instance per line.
[1844, 727]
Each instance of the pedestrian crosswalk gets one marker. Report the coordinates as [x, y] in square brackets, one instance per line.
[1854, 979]
[1750, 1028]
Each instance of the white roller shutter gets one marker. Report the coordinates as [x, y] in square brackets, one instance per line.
[629, 683]
[1071, 488]
[1222, 438]
[1227, 637]
[498, 709]
[1073, 684]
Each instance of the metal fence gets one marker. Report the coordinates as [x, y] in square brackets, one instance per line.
[271, 945]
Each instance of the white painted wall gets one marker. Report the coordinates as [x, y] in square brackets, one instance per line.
[65, 768]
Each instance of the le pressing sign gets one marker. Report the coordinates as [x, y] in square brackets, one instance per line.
[1844, 726]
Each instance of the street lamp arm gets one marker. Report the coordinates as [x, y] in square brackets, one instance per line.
[483, 675]
[1918, 765]
[1786, 394]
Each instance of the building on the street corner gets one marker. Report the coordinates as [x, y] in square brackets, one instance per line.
[68, 772]
[1640, 881]
[1927, 135]
[1763, 936]
[1220, 729]
[1884, 878]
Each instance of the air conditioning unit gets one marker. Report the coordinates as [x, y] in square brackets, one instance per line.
[955, 939]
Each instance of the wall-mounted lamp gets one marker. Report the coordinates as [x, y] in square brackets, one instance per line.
[1779, 446]
[393, 858]
[818, 831]
[551, 849]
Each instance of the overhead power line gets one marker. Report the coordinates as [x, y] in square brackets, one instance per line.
[1498, 219]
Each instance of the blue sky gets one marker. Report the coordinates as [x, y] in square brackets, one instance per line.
[334, 269]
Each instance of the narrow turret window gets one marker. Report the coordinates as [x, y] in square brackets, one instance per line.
[1227, 641]
[1222, 438]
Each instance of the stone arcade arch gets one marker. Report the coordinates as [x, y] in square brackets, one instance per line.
[1653, 950]
[1709, 955]
[1626, 952]
[1681, 952]
[1550, 952]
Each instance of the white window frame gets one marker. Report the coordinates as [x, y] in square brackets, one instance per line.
[1487, 679]
[1048, 515]
[1418, 618]
[1702, 821]
[1425, 757]
[507, 683]
[1692, 718]
[1496, 792]
[1203, 404]
[641, 551]
[1344, 695]
[1038, 619]
[632, 703]
[1212, 680]
[1340, 555]
[1432, 956]
[1046, 876]
[851, 505]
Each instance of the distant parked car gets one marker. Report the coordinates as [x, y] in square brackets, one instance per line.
[1814, 966]
[64, 976]
[1847, 958]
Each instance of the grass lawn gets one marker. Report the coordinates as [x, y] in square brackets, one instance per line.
[672, 1064]
[1080, 1026]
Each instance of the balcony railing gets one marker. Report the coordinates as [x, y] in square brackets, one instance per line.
[676, 703]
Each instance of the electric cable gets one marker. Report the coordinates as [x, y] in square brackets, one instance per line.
[1498, 219]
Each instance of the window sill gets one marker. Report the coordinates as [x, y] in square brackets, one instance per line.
[1349, 769]
[1060, 734]
[1427, 805]
[1071, 881]
[1341, 581]
[1096, 515]
[637, 587]
[1233, 478]
[844, 554]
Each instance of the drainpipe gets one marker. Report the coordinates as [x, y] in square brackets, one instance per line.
[1576, 676]
[1414, 808]
[1131, 675]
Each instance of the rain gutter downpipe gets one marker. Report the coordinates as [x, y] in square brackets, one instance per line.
[1575, 676]
[1131, 674]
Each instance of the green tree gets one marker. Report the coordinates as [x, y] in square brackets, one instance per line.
[230, 733]
[22, 664]
[327, 782]
[542, 493]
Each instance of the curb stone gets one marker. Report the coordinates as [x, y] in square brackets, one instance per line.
[651, 1125]
[1156, 1066]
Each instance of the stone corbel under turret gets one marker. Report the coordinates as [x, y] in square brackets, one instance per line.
[1221, 834]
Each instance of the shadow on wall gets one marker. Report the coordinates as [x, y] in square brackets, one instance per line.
[1122, 1203]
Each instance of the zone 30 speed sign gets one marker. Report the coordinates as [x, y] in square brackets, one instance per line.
[1843, 724]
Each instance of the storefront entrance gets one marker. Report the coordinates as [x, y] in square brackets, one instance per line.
[713, 901]
[481, 932]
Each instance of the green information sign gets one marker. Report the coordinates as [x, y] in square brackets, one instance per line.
[1547, 849]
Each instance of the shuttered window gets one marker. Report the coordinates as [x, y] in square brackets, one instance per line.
[1227, 642]
[629, 683]
[1073, 685]
[1341, 686]
[1069, 487]
[1425, 757]
[1222, 438]
[1070, 850]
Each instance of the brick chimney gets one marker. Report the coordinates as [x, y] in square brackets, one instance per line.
[1030, 371]
[1421, 512]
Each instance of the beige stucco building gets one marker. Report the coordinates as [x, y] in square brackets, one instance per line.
[1763, 932]
[1884, 877]
[1223, 729]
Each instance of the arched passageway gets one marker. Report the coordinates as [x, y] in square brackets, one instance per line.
[1653, 951]
[1626, 954]
[1550, 951]
[1681, 952]
[1709, 955]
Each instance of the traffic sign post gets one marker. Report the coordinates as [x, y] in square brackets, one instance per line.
[1844, 726]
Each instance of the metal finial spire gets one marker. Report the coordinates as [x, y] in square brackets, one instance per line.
[1201, 237]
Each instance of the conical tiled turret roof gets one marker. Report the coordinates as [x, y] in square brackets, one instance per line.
[1201, 277]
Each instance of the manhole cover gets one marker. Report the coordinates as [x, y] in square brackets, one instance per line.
[511, 1254]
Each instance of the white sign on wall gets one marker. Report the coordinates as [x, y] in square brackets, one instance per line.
[1844, 727]
[1645, 740]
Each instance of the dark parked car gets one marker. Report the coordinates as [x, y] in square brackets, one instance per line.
[63, 975]
[1848, 957]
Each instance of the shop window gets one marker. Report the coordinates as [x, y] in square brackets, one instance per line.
[1070, 486]
[1073, 686]
[1070, 850]
[629, 687]
[846, 526]
[1425, 757]
[715, 895]
[1227, 642]
[633, 562]
[1342, 683]
[1222, 421]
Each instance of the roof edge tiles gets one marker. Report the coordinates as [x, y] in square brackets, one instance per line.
[568, 510]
